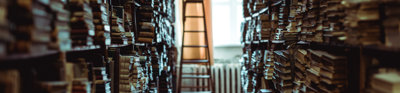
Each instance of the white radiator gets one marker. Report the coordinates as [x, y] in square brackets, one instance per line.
[226, 78]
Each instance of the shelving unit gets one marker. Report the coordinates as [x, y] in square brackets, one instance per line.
[90, 62]
[293, 27]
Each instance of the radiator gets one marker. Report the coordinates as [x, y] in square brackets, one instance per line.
[226, 78]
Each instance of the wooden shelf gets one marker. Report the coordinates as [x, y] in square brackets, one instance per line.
[84, 48]
[118, 45]
[371, 50]
[18, 57]
[387, 56]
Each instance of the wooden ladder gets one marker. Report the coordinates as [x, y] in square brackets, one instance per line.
[206, 77]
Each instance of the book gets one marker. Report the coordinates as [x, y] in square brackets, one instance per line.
[10, 81]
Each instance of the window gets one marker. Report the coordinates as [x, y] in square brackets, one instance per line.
[226, 18]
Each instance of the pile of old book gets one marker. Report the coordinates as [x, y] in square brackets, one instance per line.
[282, 77]
[156, 66]
[136, 75]
[258, 68]
[326, 72]
[244, 73]
[100, 10]
[251, 72]
[364, 29]
[32, 26]
[117, 27]
[333, 73]
[81, 22]
[60, 34]
[312, 73]
[269, 65]
[332, 18]
[251, 34]
[165, 80]
[128, 23]
[300, 61]
[101, 81]
[266, 28]
[146, 29]
[282, 15]
[274, 24]
[11, 79]
[124, 74]
[386, 81]
[6, 36]
[77, 76]
[390, 23]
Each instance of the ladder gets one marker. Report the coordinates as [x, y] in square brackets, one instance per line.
[205, 77]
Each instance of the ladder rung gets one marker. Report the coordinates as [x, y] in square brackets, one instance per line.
[195, 76]
[196, 92]
[194, 1]
[194, 31]
[194, 16]
[195, 46]
[194, 86]
[195, 61]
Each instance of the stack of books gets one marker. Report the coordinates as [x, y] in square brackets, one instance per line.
[282, 78]
[156, 61]
[53, 86]
[304, 22]
[313, 72]
[156, 66]
[146, 29]
[386, 82]
[5, 36]
[128, 24]
[165, 80]
[124, 74]
[365, 30]
[259, 4]
[269, 65]
[265, 27]
[10, 80]
[289, 36]
[81, 22]
[32, 23]
[332, 18]
[117, 27]
[81, 85]
[246, 11]
[274, 25]
[390, 23]
[78, 76]
[60, 34]
[333, 73]
[101, 21]
[136, 74]
[251, 34]
[244, 73]
[301, 59]
[101, 81]
[146, 34]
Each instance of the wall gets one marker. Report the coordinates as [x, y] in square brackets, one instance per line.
[227, 53]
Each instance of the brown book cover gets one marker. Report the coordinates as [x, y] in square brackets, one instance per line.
[10, 79]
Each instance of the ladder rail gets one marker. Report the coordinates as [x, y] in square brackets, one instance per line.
[211, 83]
[183, 41]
